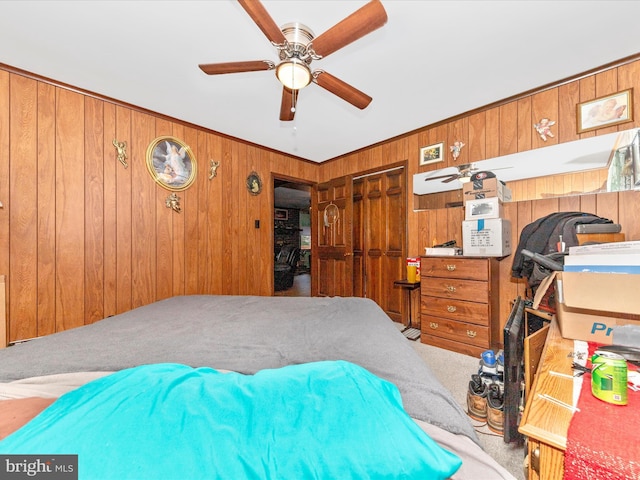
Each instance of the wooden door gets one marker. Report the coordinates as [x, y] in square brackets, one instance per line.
[332, 256]
[383, 233]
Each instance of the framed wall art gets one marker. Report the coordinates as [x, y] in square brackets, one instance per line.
[281, 214]
[605, 111]
[171, 163]
[254, 183]
[432, 154]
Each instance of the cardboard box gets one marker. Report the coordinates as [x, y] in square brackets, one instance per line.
[485, 188]
[489, 237]
[483, 208]
[591, 306]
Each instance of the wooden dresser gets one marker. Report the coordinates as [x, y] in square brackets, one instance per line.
[459, 303]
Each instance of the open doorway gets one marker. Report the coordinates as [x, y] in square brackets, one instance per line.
[292, 238]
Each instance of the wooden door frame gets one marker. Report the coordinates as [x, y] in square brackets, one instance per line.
[300, 181]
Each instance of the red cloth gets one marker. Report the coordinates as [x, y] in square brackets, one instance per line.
[603, 441]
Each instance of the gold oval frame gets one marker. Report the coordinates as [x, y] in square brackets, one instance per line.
[175, 174]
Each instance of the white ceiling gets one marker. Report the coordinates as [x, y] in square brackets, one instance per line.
[432, 60]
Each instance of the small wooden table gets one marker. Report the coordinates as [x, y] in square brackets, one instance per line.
[410, 331]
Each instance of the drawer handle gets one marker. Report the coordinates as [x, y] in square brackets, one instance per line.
[433, 325]
[451, 288]
[451, 268]
[534, 461]
[451, 308]
[471, 333]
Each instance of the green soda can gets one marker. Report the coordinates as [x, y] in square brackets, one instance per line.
[609, 377]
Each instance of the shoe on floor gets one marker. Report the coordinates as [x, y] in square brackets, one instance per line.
[488, 363]
[495, 407]
[477, 399]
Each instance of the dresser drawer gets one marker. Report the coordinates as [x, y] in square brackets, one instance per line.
[469, 312]
[452, 267]
[458, 331]
[471, 290]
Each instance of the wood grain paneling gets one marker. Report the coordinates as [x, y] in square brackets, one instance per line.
[477, 132]
[70, 210]
[46, 210]
[94, 210]
[124, 228]
[23, 152]
[83, 237]
[144, 229]
[4, 195]
[508, 128]
[165, 250]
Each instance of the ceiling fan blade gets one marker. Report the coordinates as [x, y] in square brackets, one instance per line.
[263, 20]
[345, 91]
[360, 23]
[449, 178]
[236, 67]
[288, 104]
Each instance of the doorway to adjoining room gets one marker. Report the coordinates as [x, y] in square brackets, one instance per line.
[292, 238]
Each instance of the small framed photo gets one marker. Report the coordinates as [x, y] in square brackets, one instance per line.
[432, 154]
[605, 111]
[281, 214]
[171, 163]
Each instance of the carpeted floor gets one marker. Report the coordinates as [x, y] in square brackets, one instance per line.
[454, 371]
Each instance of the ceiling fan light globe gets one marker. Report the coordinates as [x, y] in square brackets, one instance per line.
[293, 74]
[464, 179]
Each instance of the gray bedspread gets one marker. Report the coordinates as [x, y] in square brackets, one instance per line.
[245, 334]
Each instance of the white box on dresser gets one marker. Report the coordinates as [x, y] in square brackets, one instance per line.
[489, 237]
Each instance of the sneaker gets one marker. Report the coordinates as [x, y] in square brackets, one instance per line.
[495, 407]
[488, 363]
[477, 399]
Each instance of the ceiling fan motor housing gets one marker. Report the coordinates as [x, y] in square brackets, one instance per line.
[298, 37]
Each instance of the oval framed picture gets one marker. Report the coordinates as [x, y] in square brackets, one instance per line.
[254, 183]
[171, 163]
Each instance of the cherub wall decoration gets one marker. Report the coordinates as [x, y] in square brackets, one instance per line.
[455, 149]
[544, 128]
[121, 151]
[173, 202]
[213, 168]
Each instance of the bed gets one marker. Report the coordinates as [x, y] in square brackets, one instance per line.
[336, 373]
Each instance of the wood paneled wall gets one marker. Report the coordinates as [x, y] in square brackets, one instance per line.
[504, 129]
[83, 238]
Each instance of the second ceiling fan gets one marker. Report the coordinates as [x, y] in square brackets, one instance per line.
[297, 47]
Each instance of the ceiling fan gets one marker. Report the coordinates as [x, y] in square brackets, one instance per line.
[297, 47]
[464, 173]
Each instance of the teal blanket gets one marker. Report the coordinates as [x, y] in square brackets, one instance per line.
[322, 420]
